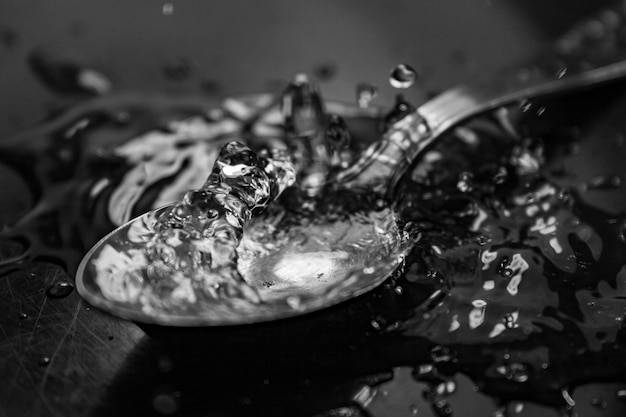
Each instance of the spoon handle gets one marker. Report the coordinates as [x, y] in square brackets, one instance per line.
[581, 60]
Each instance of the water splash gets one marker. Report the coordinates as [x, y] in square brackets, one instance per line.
[191, 248]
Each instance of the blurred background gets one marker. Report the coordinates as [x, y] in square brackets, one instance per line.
[222, 47]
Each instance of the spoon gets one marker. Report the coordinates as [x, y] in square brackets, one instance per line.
[294, 261]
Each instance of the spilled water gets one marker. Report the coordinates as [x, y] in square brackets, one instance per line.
[515, 279]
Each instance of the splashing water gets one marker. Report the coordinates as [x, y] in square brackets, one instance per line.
[191, 248]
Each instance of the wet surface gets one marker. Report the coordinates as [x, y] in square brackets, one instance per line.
[511, 303]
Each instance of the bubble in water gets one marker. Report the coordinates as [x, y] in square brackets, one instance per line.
[44, 361]
[413, 409]
[402, 76]
[446, 388]
[23, 316]
[60, 289]
[365, 93]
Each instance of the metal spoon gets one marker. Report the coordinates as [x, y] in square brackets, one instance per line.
[330, 260]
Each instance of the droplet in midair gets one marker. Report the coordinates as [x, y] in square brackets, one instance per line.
[402, 76]
[23, 316]
[365, 93]
[60, 289]
[44, 361]
[167, 9]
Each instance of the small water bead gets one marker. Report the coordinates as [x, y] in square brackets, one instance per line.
[442, 409]
[525, 106]
[598, 403]
[465, 183]
[60, 289]
[44, 361]
[165, 403]
[561, 72]
[621, 394]
[402, 76]
[517, 372]
[500, 176]
[398, 290]
[604, 183]
[23, 316]
[365, 93]
[446, 388]
[167, 9]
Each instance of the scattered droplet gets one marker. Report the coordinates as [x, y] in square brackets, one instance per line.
[621, 394]
[365, 93]
[413, 409]
[568, 398]
[517, 372]
[165, 403]
[561, 72]
[441, 354]
[398, 290]
[167, 9]
[464, 183]
[23, 316]
[598, 403]
[44, 361]
[375, 325]
[325, 71]
[442, 409]
[402, 76]
[60, 289]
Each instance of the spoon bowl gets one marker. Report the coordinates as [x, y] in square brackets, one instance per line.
[297, 265]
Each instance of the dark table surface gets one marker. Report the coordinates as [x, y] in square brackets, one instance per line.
[60, 357]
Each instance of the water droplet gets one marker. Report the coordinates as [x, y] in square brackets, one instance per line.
[402, 76]
[398, 290]
[446, 388]
[325, 71]
[23, 316]
[568, 398]
[598, 403]
[541, 110]
[500, 176]
[621, 394]
[441, 354]
[179, 70]
[167, 9]
[413, 409]
[442, 409]
[376, 325]
[604, 182]
[517, 372]
[44, 361]
[464, 183]
[165, 403]
[60, 289]
[365, 93]
[561, 73]
[525, 106]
